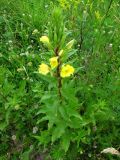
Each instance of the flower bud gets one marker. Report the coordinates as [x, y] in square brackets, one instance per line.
[61, 52]
[17, 107]
[70, 44]
[35, 31]
[45, 40]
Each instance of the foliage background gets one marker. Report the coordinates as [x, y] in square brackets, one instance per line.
[95, 27]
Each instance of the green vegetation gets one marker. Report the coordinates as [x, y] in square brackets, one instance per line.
[59, 79]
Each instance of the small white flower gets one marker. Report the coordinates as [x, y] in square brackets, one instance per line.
[110, 32]
[30, 16]
[31, 80]
[30, 46]
[35, 129]
[10, 48]
[46, 6]
[110, 45]
[22, 54]
[21, 24]
[14, 137]
[10, 41]
[27, 53]
[29, 64]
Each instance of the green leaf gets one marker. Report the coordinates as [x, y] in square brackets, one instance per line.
[2, 126]
[3, 158]
[63, 112]
[66, 141]
[26, 154]
[48, 96]
[75, 122]
[58, 131]
[44, 138]
[43, 119]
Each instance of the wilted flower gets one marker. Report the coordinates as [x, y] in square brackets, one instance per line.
[53, 62]
[66, 71]
[111, 150]
[43, 69]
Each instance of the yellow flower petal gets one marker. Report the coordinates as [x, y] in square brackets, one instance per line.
[53, 62]
[43, 69]
[66, 71]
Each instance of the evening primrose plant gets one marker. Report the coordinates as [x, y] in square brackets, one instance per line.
[59, 103]
[57, 65]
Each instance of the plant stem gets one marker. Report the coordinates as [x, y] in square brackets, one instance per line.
[58, 73]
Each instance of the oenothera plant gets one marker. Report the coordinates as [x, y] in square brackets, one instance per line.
[60, 108]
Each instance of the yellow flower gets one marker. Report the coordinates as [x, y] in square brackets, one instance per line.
[45, 40]
[66, 71]
[61, 52]
[43, 69]
[53, 62]
[70, 44]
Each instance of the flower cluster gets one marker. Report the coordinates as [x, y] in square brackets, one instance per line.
[65, 70]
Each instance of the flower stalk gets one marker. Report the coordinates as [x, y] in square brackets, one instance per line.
[55, 41]
[58, 73]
